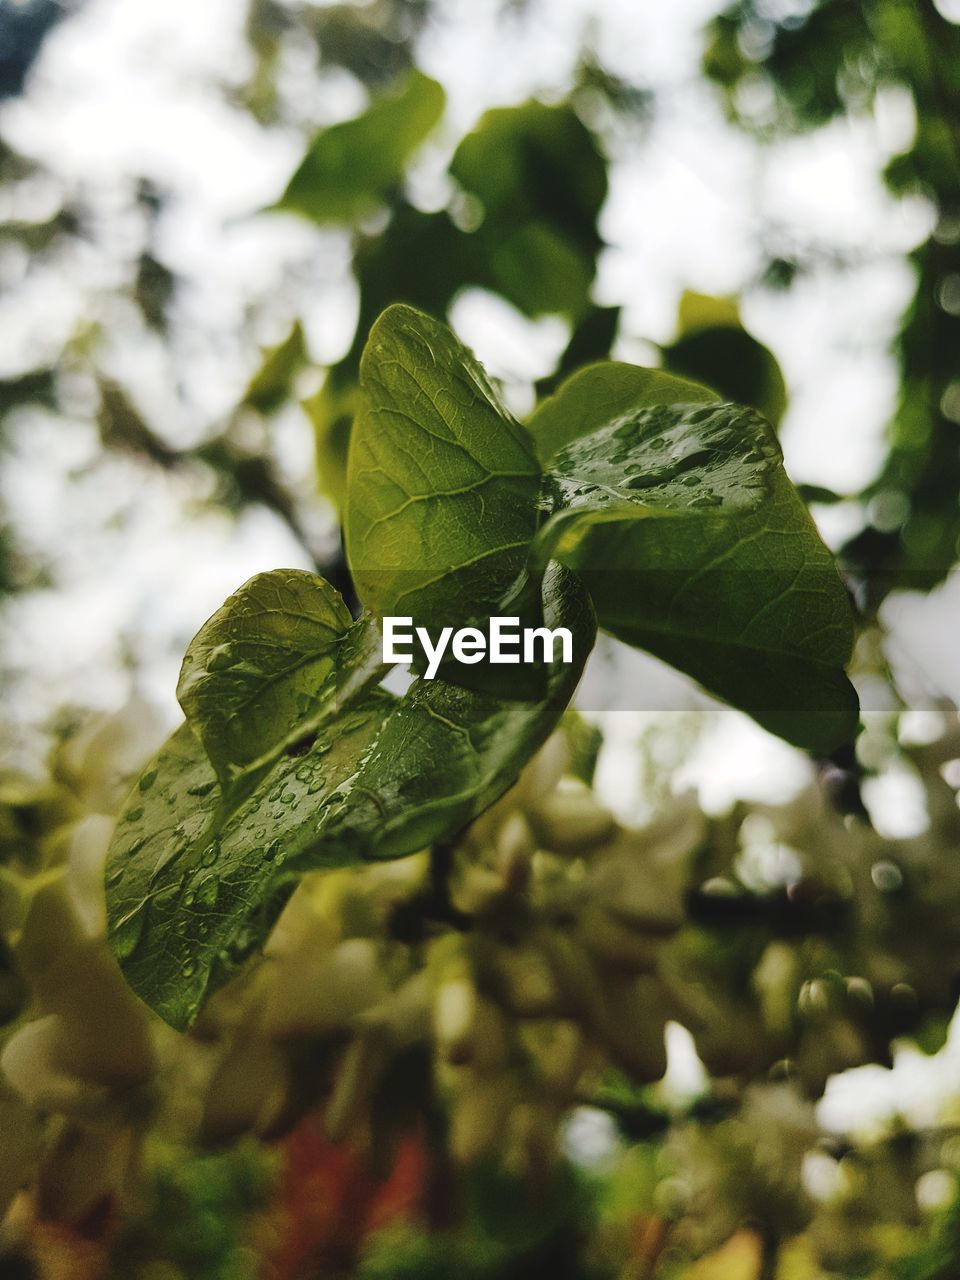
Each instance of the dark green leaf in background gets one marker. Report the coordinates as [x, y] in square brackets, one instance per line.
[535, 163]
[714, 348]
[541, 181]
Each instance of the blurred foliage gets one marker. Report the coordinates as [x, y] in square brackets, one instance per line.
[407, 1082]
[832, 59]
[513, 220]
[350, 168]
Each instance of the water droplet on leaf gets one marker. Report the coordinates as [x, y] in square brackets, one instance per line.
[210, 854]
[221, 657]
[126, 933]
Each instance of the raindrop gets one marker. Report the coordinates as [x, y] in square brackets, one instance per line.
[221, 657]
[210, 854]
[700, 415]
[201, 788]
[126, 933]
[148, 779]
[134, 815]
[208, 892]
[886, 876]
[770, 449]
[169, 854]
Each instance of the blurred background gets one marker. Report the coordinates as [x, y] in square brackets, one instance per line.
[202, 209]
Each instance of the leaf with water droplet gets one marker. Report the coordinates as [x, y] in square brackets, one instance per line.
[397, 774]
[127, 931]
[271, 664]
[698, 548]
[443, 481]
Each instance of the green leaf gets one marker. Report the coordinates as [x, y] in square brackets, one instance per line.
[350, 168]
[604, 391]
[535, 162]
[716, 349]
[442, 482]
[695, 546]
[330, 410]
[276, 659]
[536, 268]
[195, 878]
[270, 386]
[664, 460]
[590, 340]
[419, 258]
[542, 181]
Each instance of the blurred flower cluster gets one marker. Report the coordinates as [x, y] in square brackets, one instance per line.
[489, 1014]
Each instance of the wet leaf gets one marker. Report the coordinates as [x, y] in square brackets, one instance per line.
[270, 665]
[195, 878]
[604, 391]
[695, 546]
